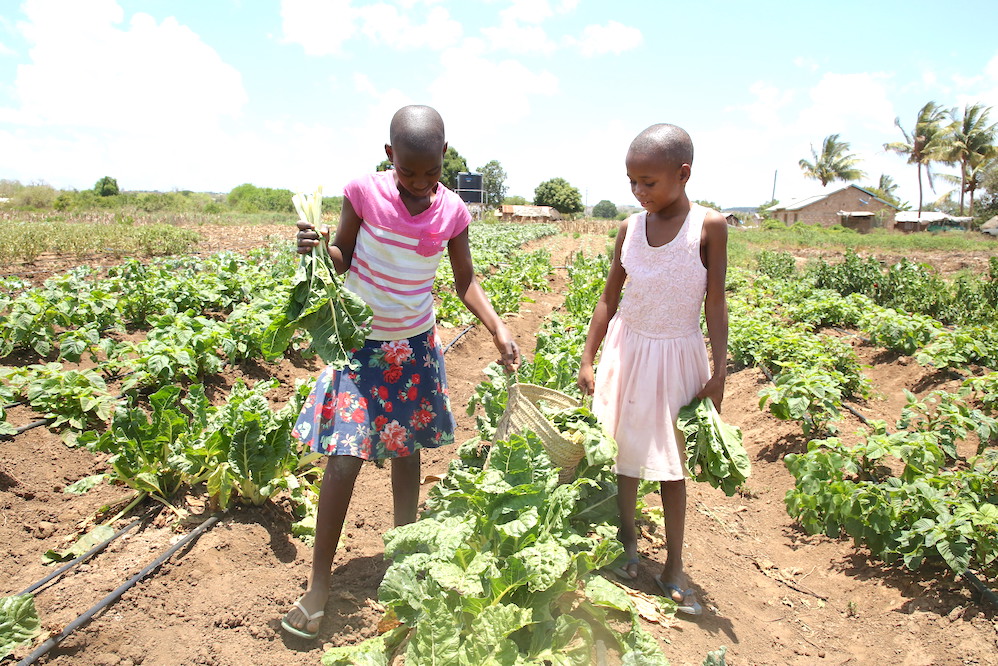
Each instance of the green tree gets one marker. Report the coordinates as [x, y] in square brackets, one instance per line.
[9, 187]
[924, 145]
[248, 198]
[834, 163]
[560, 195]
[971, 144]
[605, 210]
[885, 189]
[493, 183]
[384, 165]
[106, 187]
[515, 200]
[453, 165]
[707, 204]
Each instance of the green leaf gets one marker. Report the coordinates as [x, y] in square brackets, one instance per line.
[19, 622]
[95, 536]
[437, 638]
[84, 484]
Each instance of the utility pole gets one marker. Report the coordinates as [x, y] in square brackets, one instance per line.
[772, 198]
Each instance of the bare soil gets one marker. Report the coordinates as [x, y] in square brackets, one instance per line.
[772, 594]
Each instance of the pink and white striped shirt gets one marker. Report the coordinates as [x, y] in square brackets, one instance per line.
[396, 256]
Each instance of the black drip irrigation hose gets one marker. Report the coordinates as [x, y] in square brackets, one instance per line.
[116, 594]
[981, 588]
[459, 335]
[82, 558]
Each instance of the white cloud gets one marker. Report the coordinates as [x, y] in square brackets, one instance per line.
[526, 11]
[517, 38]
[842, 100]
[321, 27]
[809, 64]
[764, 109]
[614, 37]
[6, 50]
[84, 71]
[476, 116]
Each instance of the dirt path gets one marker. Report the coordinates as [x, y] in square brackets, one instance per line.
[772, 594]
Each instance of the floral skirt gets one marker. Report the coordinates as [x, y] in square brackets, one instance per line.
[394, 403]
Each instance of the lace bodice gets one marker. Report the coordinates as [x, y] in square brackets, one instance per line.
[666, 285]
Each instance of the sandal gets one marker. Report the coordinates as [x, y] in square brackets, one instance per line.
[309, 618]
[688, 605]
[623, 570]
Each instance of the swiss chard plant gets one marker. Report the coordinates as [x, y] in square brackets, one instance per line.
[500, 569]
[337, 319]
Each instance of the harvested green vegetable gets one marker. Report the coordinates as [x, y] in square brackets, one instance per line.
[337, 319]
[18, 622]
[714, 451]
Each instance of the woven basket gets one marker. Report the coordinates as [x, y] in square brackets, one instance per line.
[522, 414]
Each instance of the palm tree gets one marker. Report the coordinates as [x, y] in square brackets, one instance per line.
[924, 145]
[972, 179]
[887, 187]
[834, 163]
[971, 144]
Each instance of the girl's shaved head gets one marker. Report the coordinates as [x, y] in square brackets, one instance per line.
[665, 142]
[418, 128]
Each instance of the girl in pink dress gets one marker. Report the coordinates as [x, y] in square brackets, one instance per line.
[673, 257]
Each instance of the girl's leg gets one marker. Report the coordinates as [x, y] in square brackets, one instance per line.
[674, 508]
[405, 488]
[627, 503]
[334, 499]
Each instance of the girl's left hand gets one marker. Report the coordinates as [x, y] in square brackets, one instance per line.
[509, 352]
[714, 389]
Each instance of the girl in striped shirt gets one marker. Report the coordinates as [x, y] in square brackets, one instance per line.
[392, 233]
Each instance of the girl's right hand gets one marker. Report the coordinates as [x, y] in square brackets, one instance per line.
[586, 380]
[308, 237]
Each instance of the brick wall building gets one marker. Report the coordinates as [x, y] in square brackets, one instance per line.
[851, 206]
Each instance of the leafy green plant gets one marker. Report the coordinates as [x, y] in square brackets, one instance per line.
[950, 418]
[808, 395]
[714, 451]
[74, 399]
[337, 319]
[497, 571]
[19, 622]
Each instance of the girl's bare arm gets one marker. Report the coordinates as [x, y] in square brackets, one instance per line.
[714, 253]
[477, 301]
[605, 308]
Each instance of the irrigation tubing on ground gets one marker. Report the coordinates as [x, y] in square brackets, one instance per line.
[116, 594]
[459, 335]
[82, 558]
[981, 588]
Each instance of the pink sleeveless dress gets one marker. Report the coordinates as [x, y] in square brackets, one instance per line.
[654, 358]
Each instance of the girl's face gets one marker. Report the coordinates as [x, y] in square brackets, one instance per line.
[416, 172]
[654, 183]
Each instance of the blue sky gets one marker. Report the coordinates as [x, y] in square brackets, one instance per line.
[188, 94]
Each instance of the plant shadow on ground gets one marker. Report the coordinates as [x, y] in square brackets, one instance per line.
[708, 621]
[797, 537]
[932, 380]
[795, 442]
[931, 589]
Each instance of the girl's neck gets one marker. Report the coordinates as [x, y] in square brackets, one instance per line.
[416, 205]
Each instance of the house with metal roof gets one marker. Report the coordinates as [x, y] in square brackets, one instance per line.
[850, 206]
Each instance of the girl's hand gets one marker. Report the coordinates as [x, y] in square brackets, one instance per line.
[509, 352]
[714, 389]
[308, 237]
[586, 380]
